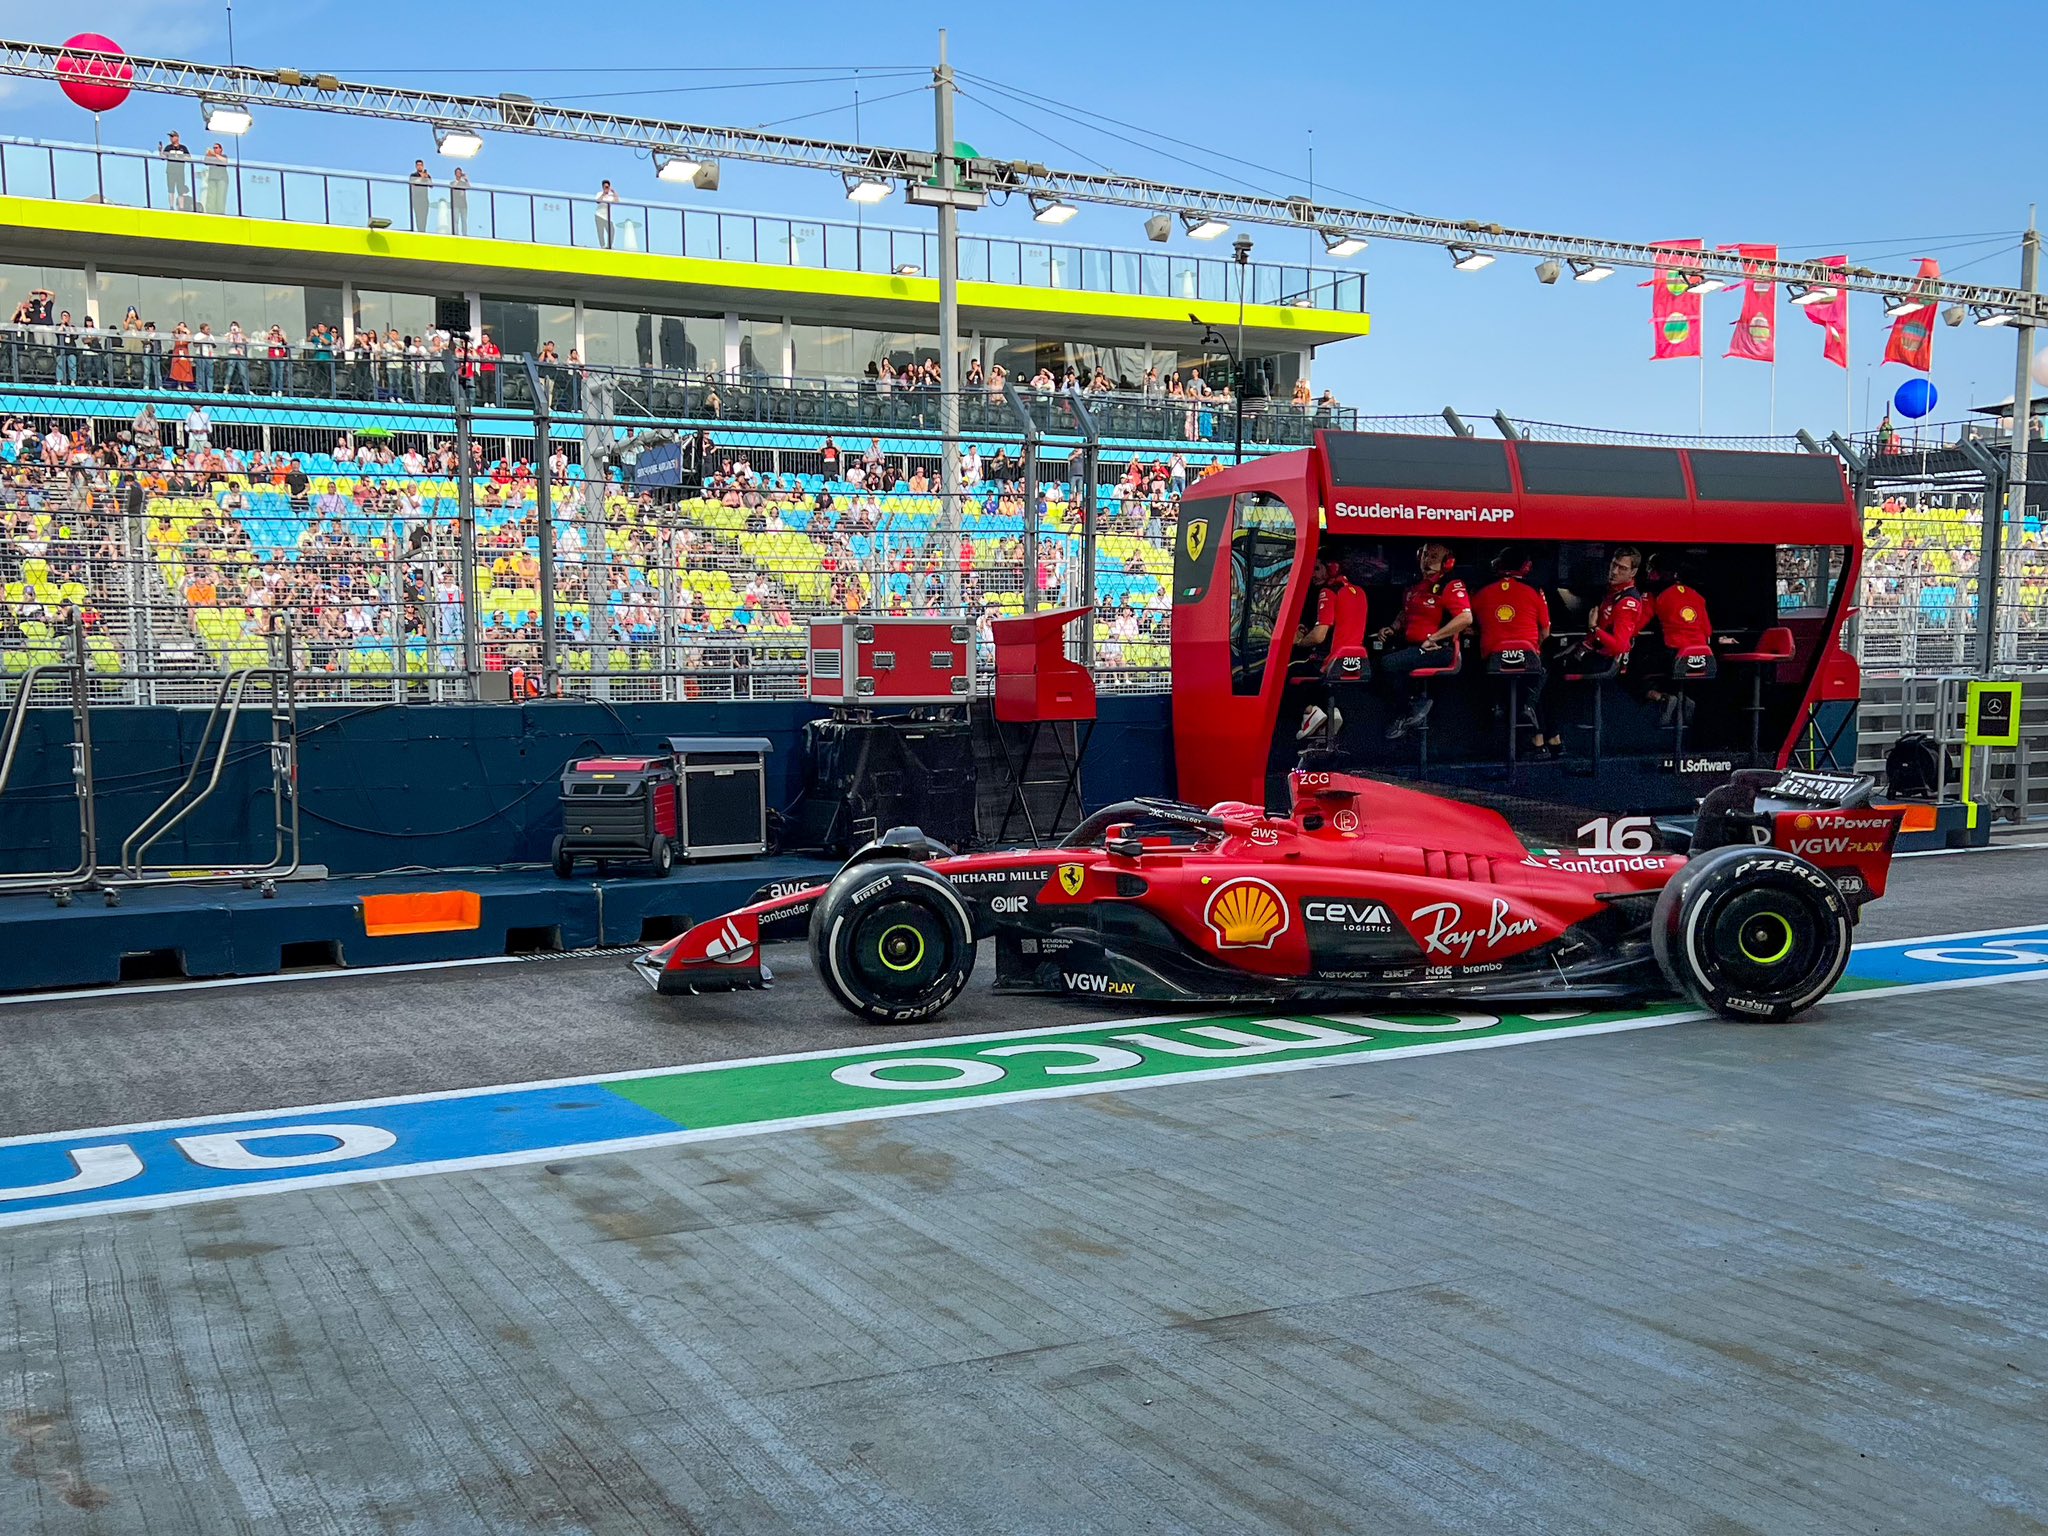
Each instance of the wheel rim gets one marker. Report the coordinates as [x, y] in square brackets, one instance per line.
[899, 950]
[1768, 942]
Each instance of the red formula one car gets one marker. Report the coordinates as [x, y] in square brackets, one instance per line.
[1365, 892]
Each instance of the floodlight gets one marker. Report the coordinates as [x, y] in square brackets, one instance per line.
[1342, 242]
[225, 116]
[862, 187]
[1465, 259]
[1050, 210]
[1802, 295]
[909, 269]
[457, 142]
[1986, 315]
[1589, 271]
[1203, 226]
[675, 165]
[1706, 284]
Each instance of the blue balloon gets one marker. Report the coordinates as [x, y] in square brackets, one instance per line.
[1915, 398]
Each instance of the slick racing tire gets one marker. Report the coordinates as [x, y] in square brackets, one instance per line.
[1755, 934]
[892, 942]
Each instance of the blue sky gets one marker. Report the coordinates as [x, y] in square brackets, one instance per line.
[1887, 136]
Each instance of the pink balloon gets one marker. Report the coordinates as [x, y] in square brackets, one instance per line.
[94, 72]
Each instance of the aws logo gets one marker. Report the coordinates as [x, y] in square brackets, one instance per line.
[1246, 914]
[1197, 537]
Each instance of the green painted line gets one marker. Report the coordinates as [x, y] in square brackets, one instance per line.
[1042, 1061]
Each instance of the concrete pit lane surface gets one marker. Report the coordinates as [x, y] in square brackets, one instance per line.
[1703, 1277]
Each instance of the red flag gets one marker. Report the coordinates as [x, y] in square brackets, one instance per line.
[1756, 333]
[1834, 314]
[1912, 338]
[1674, 307]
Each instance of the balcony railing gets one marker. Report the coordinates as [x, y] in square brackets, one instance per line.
[353, 199]
[103, 363]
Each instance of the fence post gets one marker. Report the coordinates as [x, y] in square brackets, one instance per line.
[1091, 451]
[1031, 437]
[465, 526]
[544, 496]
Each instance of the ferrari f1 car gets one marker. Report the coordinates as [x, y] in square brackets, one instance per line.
[1365, 892]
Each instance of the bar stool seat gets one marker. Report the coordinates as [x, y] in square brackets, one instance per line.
[1512, 667]
[1774, 647]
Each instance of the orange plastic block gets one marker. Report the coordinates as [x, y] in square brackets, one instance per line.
[421, 912]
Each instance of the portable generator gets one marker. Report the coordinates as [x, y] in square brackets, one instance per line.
[618, 808]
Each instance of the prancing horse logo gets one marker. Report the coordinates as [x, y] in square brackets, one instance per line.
[1071, 876]
[1198, 537]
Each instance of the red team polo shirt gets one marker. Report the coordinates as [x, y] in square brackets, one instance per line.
[1512, 616]
[1429, 605]
[1616, 621]
[1682, 615]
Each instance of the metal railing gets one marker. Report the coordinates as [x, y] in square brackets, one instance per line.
[353, 199]
[122, 362]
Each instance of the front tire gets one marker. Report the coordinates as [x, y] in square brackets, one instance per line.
[892, 942]
[1754, 934]
[662, 855]
[563, 861]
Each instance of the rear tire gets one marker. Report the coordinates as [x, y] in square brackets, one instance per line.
[663, 855]
[1754, 934]
[892, 942]
[560, 857]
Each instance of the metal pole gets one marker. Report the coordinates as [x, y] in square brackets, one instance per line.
[950, 505]
[544, 496]
[465, 527]
[1091, 450]
[1031, 436]
[1991, 574]
[1242, 250]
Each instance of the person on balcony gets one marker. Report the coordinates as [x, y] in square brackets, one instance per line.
[215, 179]
[422, 184]
[458, 202]
[177, 171]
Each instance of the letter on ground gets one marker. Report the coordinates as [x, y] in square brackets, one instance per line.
[230, 1150]
[1096, 1058]
[94, 1168]
[1238, 1042]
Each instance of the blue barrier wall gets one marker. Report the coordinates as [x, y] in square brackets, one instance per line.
[441, 786]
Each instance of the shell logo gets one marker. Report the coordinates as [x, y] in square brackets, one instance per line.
[1804, 823]
[1688, 613]
[1505, 612]
[1246, 914]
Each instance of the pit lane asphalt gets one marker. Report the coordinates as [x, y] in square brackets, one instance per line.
[100, 1059]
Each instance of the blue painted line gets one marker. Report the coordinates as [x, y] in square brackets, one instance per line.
[125, 1168]
[1954, 958]
[159, 1166]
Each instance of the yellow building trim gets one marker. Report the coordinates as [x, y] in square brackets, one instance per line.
[519, 259]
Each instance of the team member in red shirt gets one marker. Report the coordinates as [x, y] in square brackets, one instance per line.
[1435, 610]
[1611, 628]
[1514, 621]
[1312, 647]
[1683, 622]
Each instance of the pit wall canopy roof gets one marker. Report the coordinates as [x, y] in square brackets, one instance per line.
[1387, 484]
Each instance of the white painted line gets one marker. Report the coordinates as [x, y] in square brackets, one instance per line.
[343, 973]
[932, 1107]
[898, 1044]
